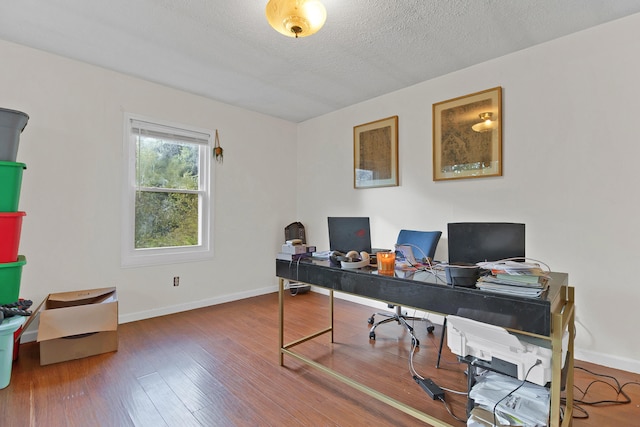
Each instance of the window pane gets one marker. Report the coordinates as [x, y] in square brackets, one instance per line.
[166, 164]
[166, 219]
[167, 198]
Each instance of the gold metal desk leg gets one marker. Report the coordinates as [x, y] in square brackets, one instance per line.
[562, 321]
[281, 318]
[331, 311]
[568, 413]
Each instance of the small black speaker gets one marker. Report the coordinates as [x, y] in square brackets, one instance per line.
[462, 276]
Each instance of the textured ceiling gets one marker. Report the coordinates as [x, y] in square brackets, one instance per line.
[225, 49]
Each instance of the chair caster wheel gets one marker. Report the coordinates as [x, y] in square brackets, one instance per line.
[417, 341]
[372, 336]
[430, 329]
[370, 320]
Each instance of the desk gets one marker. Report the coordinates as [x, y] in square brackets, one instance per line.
[547, 317]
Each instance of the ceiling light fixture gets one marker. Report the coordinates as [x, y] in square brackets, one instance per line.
[486, 124]
[296, 18]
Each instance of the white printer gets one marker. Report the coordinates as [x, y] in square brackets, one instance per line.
[495, 348]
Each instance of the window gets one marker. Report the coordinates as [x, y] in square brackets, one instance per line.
[167, 196]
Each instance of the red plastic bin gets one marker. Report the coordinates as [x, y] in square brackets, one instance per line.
[16, 343]
[10, 228]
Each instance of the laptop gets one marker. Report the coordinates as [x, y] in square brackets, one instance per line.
[349, 234]
[405, 253]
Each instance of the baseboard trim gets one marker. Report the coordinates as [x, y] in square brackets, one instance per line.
[32, 334]
[172, 309]
[608, 360]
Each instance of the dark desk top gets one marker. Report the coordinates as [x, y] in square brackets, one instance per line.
[424, 291]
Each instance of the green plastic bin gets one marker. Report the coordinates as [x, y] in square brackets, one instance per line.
[10, 275]
[10, 183]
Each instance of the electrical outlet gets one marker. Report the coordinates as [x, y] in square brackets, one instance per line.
[176, 280]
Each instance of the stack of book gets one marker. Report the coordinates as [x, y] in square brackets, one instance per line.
[515, 278]
[295, 252]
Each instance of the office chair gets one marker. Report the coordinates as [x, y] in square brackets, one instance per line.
[423, 245]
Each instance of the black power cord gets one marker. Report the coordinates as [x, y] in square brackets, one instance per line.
[616, 387]
[430, 387]
[538, 362]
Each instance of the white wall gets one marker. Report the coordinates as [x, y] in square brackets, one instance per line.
[570, 157]
[71, 190]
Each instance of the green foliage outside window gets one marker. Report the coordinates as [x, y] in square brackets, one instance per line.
[166, 204]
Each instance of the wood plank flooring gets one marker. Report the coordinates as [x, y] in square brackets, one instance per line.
[218, 366]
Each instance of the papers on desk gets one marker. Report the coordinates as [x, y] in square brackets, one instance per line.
[407, 266]
[511, 267]
[509, 287]
[514, 278]
[528, 405]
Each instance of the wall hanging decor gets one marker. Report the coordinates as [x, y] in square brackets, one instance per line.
[467, 136]
[375, 154]
[217, 149]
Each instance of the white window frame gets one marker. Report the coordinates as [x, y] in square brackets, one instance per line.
[132, 257]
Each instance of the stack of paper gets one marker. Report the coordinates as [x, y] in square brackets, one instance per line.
[493, 284]
[515, 278]
[512, 267]
[528, 405]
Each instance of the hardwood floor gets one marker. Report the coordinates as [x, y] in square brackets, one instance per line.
[218, 366]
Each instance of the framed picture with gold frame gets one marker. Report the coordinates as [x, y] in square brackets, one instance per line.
[467, 136]
[375, 154]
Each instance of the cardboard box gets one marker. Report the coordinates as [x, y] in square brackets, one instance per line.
[77, 324]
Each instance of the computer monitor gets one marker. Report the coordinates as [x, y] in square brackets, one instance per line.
[349, 234]
[473, 242]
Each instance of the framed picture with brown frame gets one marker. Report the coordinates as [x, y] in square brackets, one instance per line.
[467, 136]
[375, 154]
